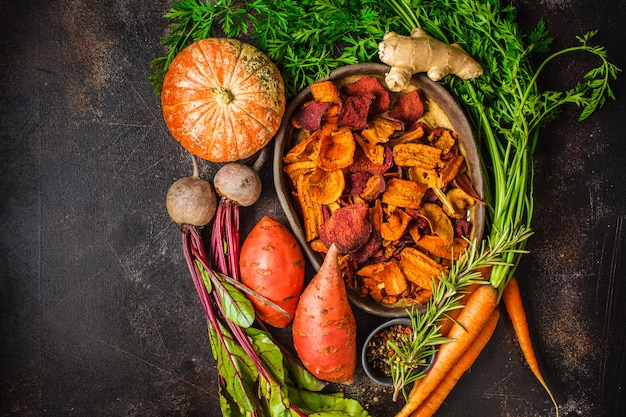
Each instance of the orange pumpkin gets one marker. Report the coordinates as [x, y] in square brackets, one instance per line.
[222, 99]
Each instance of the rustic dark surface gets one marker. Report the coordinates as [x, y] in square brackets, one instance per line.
[98, 314]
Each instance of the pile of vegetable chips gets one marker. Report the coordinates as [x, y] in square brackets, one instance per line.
[372, 176]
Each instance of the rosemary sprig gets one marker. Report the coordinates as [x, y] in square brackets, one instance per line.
[408, 358]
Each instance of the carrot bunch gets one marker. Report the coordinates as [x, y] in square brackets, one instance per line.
[469, 334]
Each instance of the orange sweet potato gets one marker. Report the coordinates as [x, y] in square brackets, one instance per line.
[324, 328]
[271, 263]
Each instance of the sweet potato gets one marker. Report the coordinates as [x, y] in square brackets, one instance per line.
[324, 328]
[271, 263]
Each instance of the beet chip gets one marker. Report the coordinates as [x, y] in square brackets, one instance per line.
[408, 109]
[348, 227]
[353, 112]
[368, 86]
[309, 116]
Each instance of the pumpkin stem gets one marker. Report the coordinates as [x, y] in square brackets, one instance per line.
[223, 95]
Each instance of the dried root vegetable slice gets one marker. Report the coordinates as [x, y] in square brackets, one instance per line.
[336, 150]
[296, 169]
[396, 224]
[310, 115]
[452, 167]
[325, 92]
[374, 187]
[326, 187]
[305, 150]
[440, 247]
[440, 223]
[373, 151]
[460, 202]
[348, 227]
[312, 212]
[409, 108]
[404, 193]
[387, 273]
[417, 154]
[419, 268]
[444, 140]
[379, 130]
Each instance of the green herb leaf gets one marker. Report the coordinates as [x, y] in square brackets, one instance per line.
[236, 306]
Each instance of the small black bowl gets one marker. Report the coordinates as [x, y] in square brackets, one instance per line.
[373, 372]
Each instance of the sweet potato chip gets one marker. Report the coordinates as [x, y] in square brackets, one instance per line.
[409, 136]
[312, 212]
[336, 150]
[326, 187]
[374, 187]
[348, 227]
[309, 116]
[374, 152]
[404, 193]
[379, 130]
[420, 268]
[396, 224]
[305, 150]
[294, 170]
[440, 224]
[376, 215]
[393, 278]
[452, 168]
[409, 108]
[364, 164]
[325, 91]
[417, 154]
[444, 141]
[438, 246]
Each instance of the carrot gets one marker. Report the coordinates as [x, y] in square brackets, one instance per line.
[513, 302]
[439, 394]
[472, 319]
[324, 328]
[450, 318]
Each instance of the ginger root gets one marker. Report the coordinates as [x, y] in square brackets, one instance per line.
[420, 52]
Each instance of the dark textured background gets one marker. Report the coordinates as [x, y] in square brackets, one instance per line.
[98, 314]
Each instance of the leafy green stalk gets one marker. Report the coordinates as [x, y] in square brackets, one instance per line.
[256, 377]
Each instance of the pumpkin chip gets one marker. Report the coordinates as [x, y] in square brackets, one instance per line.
[445, 141]
[404, 193]
[336, 150]
[420, 268]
